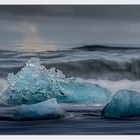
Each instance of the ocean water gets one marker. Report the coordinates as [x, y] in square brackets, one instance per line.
[114, 68]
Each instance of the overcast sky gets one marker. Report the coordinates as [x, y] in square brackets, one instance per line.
[69, 25]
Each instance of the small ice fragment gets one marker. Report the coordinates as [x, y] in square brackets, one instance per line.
[42, 110]
[124, 103]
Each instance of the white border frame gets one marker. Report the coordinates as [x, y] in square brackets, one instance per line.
[73, 2]
[67, 2]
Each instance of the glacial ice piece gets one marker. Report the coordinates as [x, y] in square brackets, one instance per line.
[125, 103]
[84, 93]
[43, 110]
[33, 84]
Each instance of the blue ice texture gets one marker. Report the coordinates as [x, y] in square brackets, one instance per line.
[34, 84]
[84, 93]
[125, 103]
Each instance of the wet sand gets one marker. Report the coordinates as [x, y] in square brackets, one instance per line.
[88, 125]
[76, 122]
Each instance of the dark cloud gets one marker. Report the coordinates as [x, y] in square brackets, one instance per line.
[94, 11]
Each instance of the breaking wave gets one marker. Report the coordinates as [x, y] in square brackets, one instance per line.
[101, 68]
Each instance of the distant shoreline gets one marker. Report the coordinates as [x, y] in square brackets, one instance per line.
[104, 47]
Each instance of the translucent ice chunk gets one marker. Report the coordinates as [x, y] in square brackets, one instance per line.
[80, 92]
[34, 83]
[125, 103]
[42, 110]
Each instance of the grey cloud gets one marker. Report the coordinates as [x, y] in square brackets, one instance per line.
[93, 11]
[70, 24]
